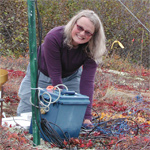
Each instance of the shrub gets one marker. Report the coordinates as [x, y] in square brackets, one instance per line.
[119, 24]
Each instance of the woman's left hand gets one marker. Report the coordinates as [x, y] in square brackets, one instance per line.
[88, 122]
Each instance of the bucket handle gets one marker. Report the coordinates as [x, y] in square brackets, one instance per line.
[66, 92]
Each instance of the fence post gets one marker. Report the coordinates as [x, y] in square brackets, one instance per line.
[34, 69]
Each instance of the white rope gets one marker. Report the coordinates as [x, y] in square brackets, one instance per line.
[45, 103]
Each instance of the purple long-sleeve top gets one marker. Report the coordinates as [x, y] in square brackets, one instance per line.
[58, 61]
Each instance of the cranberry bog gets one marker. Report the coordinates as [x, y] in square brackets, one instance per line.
[121, 110]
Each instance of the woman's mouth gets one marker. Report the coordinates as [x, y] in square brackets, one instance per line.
[81, 38]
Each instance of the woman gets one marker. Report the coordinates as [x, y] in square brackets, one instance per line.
[69, 55]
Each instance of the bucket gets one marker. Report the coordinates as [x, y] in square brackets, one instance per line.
[3, 77]
[66, 114]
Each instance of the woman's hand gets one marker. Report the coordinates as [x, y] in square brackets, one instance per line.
[88, 122]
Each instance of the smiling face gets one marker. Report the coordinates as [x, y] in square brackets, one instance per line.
[82, 31]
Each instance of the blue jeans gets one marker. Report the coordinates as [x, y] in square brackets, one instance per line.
[72, 82]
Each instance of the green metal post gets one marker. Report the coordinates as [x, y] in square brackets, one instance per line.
[34, 69]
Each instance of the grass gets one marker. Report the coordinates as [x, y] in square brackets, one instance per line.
[121, 91]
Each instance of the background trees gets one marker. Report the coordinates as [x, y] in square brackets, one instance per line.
[118, 22]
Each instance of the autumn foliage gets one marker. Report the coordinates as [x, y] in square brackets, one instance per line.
[120, 110]
[121, 102]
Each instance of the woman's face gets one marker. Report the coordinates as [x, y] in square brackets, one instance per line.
[82, 31]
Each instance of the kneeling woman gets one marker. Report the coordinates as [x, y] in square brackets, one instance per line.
[69, 55]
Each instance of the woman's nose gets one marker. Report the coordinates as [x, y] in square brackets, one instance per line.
[82, 32]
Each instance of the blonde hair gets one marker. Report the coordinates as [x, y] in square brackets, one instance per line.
[96, 47]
